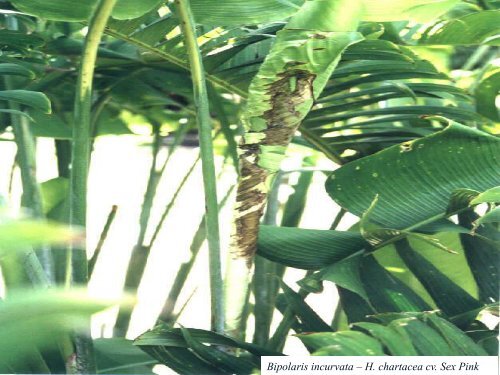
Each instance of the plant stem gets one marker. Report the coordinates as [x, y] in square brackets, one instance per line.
[140, 253]
[39, 267]
[102, 238]
[153, 180]
[80, 160]
[172, 202]
[263, 279]
[167, 314]
[63, 153]
[207, 160]
[225, 126]
[338, 219]
[278, 340]
[81, 131]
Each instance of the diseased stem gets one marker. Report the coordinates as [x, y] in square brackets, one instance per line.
[207, 160]
[288, 82]
[80, 160]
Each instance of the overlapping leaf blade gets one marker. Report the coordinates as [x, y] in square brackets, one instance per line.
[414, 180]
[307, 248]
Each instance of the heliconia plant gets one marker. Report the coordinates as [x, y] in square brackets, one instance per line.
[401, 96]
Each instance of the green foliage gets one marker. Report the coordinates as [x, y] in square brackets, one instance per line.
[18, 235]
[406, 334]
[414, 180]
[33, 321]
[118, 355]
[65, 10]
[472, 29]
[413, 137]
[186, 351]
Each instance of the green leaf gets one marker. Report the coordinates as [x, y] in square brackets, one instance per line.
[16, 70]
[172, 337]
[294, 207]
[54, 193]
[396, 342]
[346, 275]
[401, 334]
[471, 29]
[218, 358]
[416, 10]
[109, 122]
[344, 343]
[71, 11]
[385, 292]
[51, 126]
[486, 94]
[127, 9]
[119, 355]
[492, 216]
[32, 319]
[453, 266]
[17, 235]
[57, 10]
[447, 295]
[356, 309]
[33, 99]
[458, 341]
[414, 180]
[424, 338]
[489, 196]
[237, 12]
[182, 361]
[307, 248]
[310, 320]
[482, 256]
[19, 40]
[242, 12]
[176, 348]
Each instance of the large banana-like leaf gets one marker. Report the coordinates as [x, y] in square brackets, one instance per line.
[238, 12]
[486, 95]
[188, 351]
[242, 12]
[290, 246]
[70, 11]
[472, 29]
[415, 180]
[422, 334]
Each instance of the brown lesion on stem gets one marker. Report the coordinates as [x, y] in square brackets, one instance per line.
[292, 89]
